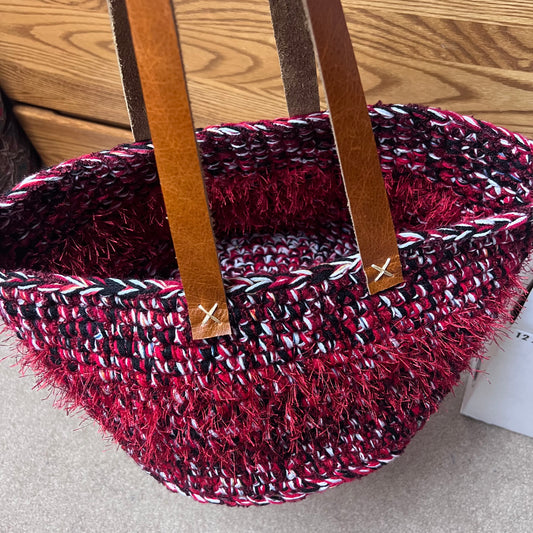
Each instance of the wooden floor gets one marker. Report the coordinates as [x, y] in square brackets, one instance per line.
[474, 56]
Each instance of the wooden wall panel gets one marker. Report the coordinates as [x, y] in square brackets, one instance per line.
[60, 55]
[472, 56]
[514, 12]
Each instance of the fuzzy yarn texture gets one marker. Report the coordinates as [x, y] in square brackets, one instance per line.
[320, 382]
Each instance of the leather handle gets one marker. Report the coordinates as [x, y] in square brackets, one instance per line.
[129, 73]
[356, 147]
[295, 51]
[296, 56]
[162, 76]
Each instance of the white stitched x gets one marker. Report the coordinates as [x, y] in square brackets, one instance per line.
[209, 315]
[383, 270]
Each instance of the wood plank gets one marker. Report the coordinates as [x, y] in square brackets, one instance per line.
[60, 55]
[475, 57]
[440, 40]
[472, 68]
[58, 138]
[467, 90]
[507, 12]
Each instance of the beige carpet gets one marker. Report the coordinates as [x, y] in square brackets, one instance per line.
[458, 475]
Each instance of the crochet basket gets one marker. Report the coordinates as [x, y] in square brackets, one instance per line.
[320, 383]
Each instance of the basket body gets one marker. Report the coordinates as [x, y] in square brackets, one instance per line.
[320, 383]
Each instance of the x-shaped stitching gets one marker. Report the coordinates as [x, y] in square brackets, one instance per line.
[383, 270]
[209, 315]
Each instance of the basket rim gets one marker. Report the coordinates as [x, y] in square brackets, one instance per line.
[333, 270]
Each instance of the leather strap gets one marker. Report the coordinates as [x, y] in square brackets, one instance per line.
[356, 148]
[131, 83]
[296, 56]
[159, 61]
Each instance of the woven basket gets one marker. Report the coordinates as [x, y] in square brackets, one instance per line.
[320, 383]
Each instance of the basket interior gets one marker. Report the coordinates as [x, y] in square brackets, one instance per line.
[274, 210]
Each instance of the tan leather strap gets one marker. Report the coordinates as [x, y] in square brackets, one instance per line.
[296, 56]
[356, 148]
[167, 105]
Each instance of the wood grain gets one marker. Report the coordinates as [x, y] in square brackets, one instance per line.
[60, 55]
[58, 138]
[509, 12]
[472, 56]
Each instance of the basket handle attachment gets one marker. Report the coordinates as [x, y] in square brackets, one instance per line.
[356, 147]
[154, 40]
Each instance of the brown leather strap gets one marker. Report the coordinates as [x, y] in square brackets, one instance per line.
[365, 189]
[296, 56]
[167, 104]
[131, 82]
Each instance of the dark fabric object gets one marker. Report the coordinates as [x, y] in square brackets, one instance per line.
[18, 158]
